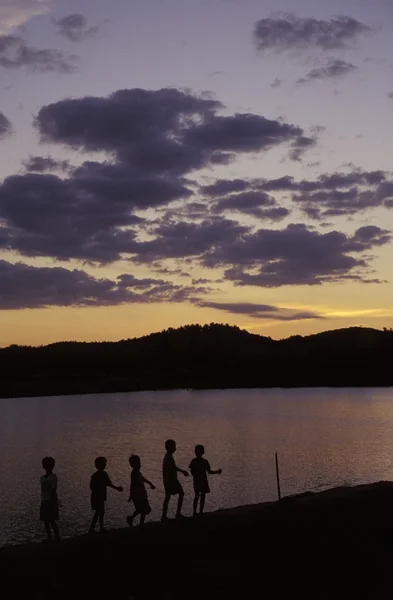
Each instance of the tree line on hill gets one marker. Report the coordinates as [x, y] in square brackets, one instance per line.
[195, 356]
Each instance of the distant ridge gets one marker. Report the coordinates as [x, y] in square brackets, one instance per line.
[195, 356]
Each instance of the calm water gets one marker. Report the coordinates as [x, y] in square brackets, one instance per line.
[324, 438]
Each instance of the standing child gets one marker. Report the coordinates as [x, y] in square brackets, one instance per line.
[200, 468]
[171, 483]
[99, 482]
[49, 511]
[138, 493]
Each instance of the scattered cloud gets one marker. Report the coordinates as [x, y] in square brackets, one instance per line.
[75, 28]
[14, 13]
[165, 130]
[254, 203]
[300, 146]
[88, 216]
[296, 255]
[287, 32]
[5, 126]
[186, 239]
[14, 54]
[42, 164]
[276, 83]
[23, 286]
[332, 194]
[260, 311]
[333, 69]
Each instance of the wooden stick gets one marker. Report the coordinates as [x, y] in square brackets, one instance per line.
[278, 478]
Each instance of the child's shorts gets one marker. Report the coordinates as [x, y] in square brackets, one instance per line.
[98, 506]
[142, 505]
[49, 511]
[174, 490]
[201, 487]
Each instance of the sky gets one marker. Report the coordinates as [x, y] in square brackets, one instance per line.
[170, 162]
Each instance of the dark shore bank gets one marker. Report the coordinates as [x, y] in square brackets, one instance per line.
[334, 544]
[200, 357]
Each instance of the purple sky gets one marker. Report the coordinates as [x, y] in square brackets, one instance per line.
[168, 161]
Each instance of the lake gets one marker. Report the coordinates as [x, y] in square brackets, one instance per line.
[324, 437]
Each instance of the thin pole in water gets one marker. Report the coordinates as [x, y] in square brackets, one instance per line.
[278, 478]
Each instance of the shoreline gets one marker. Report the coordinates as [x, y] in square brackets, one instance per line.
[335, 526]
[135, 390]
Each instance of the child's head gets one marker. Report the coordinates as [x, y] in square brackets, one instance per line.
[100, 463]
[199, 450]
[135, 462]
[170, 446]
[48, 464]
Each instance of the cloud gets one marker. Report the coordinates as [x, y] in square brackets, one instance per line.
[334, 68]
[88, 216]
[163, 130]
[276, 83]
[296, 256]
[5, 126]
[225, 186]
[24, 286]
[300, 146]
[288, 32]
[75, 28]
[15, 54]
[259, 311]
[185, 239]
[41, 164]
[253, 203]
[14, 13]
[331, 194]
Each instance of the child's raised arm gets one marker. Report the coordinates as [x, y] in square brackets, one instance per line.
[216, 472]
[153, 487]
[114, 487]
[179, 470]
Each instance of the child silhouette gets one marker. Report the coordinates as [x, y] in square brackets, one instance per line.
[138, 493]
[49, 510]
[171, 483]
[200, 468]
[98, 483]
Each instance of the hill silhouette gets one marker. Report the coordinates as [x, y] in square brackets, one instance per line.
[195, 356]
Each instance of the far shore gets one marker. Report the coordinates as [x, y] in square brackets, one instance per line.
[55, 392]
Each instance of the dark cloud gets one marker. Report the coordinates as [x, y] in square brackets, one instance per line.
[164, 130]
[300, 145]
[42, 164]
[244, 201]
[296, 256]
[226, 186]
[288, 32]
[333, 69]
[259, 311]
[88, 216]
[185, 239]
[14, 54]
[153, 140]
[254, 203]
[335, 194]
[5, 126]
[24, 286]
[166, 271]
[75, 28]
